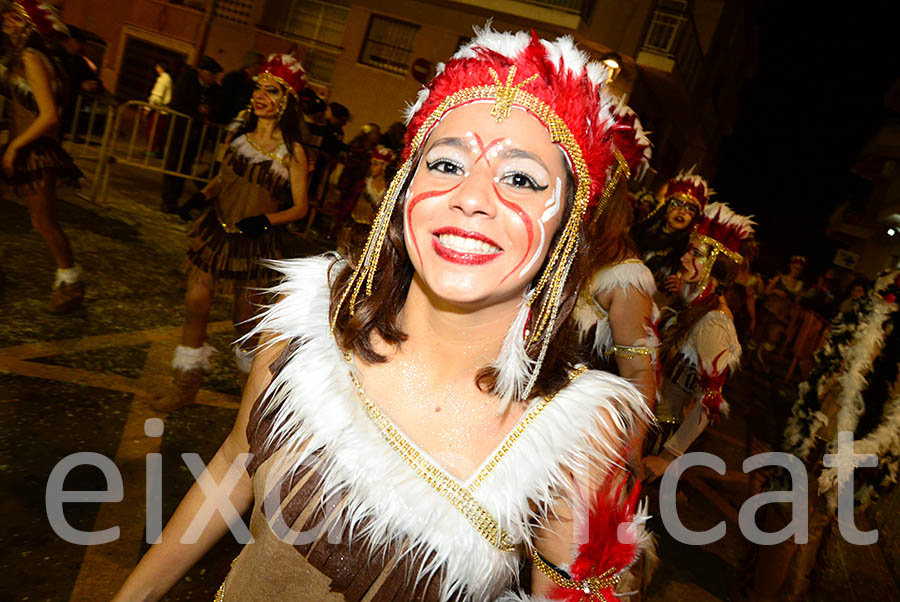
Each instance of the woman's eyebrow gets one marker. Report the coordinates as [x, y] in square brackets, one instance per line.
[453, 141]
[518, 153]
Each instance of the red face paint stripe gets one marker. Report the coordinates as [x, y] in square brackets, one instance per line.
[484, 149]
[529, 228]
[415, 201]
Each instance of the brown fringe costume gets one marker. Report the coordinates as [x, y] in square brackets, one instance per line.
[43, 161]
[252, 183]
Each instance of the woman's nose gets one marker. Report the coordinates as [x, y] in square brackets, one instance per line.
[476, 195]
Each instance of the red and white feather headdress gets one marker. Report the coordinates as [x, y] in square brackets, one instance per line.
[286, 70]
[725, 232]
[557, 84]
[689, 185]
[41, 16]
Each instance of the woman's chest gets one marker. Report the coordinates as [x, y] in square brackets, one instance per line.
[458, 426]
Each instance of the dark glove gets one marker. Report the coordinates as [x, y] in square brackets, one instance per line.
[254, 225]
[198, 201]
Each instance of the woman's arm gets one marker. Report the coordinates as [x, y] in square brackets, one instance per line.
[298, 170]
[37, 73]
[559, 539]
[630, 319]
[168, 559]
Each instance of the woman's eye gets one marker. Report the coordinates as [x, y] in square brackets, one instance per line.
[445, 166]
[521, 180]
[273, 91]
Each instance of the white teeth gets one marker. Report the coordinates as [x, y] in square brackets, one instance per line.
[463, 244]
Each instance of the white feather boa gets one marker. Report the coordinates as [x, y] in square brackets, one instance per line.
[315, 410]
[852, 382]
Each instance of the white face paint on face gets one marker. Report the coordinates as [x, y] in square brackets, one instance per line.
[553, 206]
[477, 209]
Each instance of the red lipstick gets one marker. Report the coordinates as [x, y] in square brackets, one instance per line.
[457, 256]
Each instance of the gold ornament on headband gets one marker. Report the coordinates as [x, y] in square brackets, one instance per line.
[715, 248]
[506, 93]
[620, 170]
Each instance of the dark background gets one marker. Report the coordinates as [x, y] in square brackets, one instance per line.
[816, 98]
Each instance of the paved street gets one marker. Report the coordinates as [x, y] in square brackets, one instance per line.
[76, 383]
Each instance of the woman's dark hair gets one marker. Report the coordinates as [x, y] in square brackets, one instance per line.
[608, 239]
[163, 64]
[289, 124]
[377, 313]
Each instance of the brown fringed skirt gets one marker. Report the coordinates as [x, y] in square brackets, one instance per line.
[231, 260]
[39, 162]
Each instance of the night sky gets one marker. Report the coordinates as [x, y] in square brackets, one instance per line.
[817, 97]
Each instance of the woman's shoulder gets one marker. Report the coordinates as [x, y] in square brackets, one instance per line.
[630, 272]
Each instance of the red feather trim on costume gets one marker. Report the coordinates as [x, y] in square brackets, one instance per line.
[720, 226]
[712, 381]
[611, 547]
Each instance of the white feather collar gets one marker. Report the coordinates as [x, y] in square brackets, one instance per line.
[246, 149]
[313, 404]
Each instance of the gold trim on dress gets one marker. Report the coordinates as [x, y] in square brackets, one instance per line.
[461, 497]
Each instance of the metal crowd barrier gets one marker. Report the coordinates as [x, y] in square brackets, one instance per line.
[132, 140]
[88, 135]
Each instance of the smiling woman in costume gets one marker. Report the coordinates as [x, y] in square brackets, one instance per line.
[261, 186]
[424, 398]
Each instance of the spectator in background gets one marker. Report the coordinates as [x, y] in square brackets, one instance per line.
[331, 146]
[83, 75]
[856, 290]
[353, 177]
[196, 94]
[237, 86]
[160, 96]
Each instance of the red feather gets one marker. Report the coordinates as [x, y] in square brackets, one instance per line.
[573, 97]
[604, 551]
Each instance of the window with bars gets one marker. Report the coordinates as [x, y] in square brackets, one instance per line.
[317, 25]
[235, 11]
[389, 44]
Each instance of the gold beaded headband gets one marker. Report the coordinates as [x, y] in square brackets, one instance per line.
[621, 169]
[279, 80]
[20, 10]
[505, 96]
[716, 248]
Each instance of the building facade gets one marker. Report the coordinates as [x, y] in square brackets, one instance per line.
[682, 61]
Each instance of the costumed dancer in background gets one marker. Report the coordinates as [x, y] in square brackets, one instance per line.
[429, 389]
[664, 236]
[741, 296]
[261, 185]
[353, 235]
[34, 162]
[780, 297]
[615, 311]
[699, 345]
